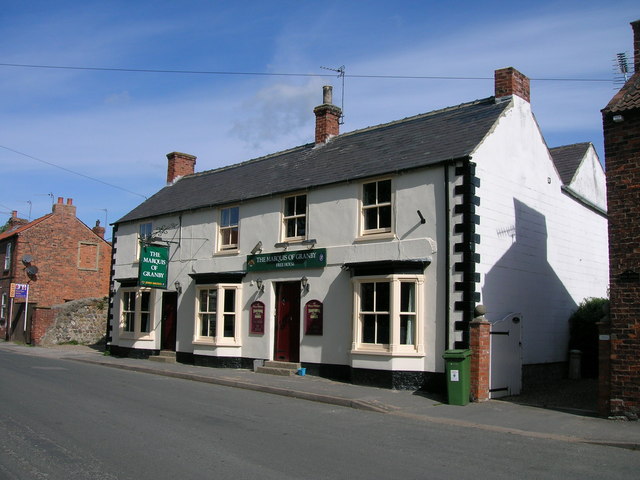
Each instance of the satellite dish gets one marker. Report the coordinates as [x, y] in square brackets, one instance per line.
[32, 270]
[27, 259]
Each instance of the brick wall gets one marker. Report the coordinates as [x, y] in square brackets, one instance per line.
[55, 245]
[622, 149]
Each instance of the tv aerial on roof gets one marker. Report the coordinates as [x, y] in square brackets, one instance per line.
[340, 72]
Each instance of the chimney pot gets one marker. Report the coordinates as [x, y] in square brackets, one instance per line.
[69, 201]
[327, 94]
[14, 214]
[60, 199]
[509, 81]
[98, 230]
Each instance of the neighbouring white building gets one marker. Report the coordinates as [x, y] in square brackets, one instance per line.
[363, 255]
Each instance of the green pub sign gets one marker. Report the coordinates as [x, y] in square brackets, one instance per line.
[154, 266]
[316, 258]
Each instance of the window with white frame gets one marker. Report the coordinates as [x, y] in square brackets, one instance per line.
[7, 256]
[387, 312]
[4, 306]
[229, 228]
[136, 312]
[376, 207]
[217, 316]
[145, 231]
[294, 217]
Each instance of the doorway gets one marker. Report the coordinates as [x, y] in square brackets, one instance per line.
[168, 321]
[287, 332]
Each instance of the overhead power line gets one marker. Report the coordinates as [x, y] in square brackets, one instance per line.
[276, 74]
[72, 171]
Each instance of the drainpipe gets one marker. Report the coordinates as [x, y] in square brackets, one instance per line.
[447, 261]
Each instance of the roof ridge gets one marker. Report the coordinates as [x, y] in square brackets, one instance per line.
[342, 135]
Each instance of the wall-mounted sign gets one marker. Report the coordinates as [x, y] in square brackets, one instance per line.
[256, 324]
[313, 317]
[154, 266]
[19, 290]
[316, 258]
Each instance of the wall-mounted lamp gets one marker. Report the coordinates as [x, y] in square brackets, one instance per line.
[282, 245]
[178, 287]
[310, 242]
[257, 248]
[304, 281]
[260, 285]
[422, 219]
[618, 118]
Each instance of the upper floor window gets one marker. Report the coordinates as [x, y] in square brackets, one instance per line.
[144, 234]
[136, 312]
[295, 217]
[229, 227]
[376, 207]
[217, 316]
[388, 315]
[7, 257]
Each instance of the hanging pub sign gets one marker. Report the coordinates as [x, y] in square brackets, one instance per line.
[313, 317]
[316, 258]
[154, 266]
[256, 324]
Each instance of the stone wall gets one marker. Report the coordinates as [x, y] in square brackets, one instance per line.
[83, 321]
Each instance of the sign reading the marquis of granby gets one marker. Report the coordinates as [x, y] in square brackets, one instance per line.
[256, 324]
[316, 258]
[313, 317]
[154, 266]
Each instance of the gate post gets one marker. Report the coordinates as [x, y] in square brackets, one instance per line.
[480, 343]
[604, 367]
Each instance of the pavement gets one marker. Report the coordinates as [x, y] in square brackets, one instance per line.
[572, 426]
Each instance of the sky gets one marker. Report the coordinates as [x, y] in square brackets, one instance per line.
[98, 130]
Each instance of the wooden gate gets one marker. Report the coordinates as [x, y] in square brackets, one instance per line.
[506, 356]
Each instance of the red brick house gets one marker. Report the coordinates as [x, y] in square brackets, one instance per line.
[59, 257]
[620, 337]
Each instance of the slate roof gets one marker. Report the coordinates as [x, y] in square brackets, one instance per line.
[568, 158]
[413, 142]
[627, 98]
[22, 227]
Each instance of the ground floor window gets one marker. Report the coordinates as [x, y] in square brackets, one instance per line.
[387, 313]
[3, 307]
[136, 312]
[217, 315]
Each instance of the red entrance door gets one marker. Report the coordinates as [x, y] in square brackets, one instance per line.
[168, 324]
[288, 322]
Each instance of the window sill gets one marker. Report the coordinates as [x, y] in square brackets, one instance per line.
[368, 237]
[213, 343]
[227, 253]
[387, 353]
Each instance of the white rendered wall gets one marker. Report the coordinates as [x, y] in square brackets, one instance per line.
[541, 251]
[333, 220]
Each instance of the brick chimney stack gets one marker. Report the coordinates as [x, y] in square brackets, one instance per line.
[636, 45]
[14, 221]
[61, 209]
[98, 230]
[327, 117]
[509, 81]
[179, 165]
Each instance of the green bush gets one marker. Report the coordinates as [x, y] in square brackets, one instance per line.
[583, 333]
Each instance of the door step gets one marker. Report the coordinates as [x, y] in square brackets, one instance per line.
[165, 356]
[284, 369]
